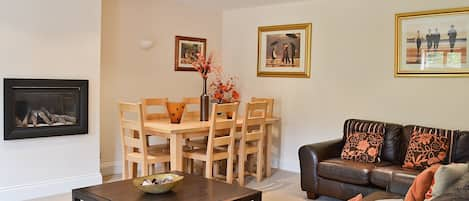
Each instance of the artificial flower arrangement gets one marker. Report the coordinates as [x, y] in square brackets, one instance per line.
[223, 88]
[203, 65]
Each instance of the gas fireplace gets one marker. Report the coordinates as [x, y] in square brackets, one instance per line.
[44, 107]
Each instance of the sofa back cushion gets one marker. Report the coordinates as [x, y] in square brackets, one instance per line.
[410, 129]
[392, 136]
[461, 148]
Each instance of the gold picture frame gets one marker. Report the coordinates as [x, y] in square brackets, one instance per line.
[432, 43]
[284, 51]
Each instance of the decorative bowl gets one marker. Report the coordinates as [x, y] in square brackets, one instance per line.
[158, 188]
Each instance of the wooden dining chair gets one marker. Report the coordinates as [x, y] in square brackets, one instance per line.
[270, 113]
[270, 105]
[218, 147]
[192, 114]
[134, 142]
[155, 109]
[252, 138]
[154, 103]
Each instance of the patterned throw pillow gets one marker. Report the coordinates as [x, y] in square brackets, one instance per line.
[425, 149]
[363, 147]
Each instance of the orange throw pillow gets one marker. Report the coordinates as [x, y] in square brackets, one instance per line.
[425, 149]
[363, 147]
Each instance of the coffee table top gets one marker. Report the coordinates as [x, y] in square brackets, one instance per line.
[192, 188]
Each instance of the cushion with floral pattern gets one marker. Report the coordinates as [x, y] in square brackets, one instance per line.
[363, 147]
[425, 149]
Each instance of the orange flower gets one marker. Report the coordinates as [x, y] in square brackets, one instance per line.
[218, 95]
[425, 138]
[441, 155]
[363, 145]
[235, 95]
[372, 152]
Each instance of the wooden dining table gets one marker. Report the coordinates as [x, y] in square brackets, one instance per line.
[177, 133]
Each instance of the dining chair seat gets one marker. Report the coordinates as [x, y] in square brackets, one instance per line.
[198, 143]
[201, 154]
[159, 147]
[152, 156]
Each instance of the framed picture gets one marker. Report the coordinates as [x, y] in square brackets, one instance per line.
[186, 50]
[432, 43]
[284, 51]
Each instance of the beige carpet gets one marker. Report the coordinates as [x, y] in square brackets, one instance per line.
[282, 186]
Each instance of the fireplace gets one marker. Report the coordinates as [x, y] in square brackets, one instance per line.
[44, 108]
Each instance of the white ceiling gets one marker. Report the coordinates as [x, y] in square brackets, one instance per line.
[232, 4]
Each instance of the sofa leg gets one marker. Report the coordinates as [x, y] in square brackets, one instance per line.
[311, 195]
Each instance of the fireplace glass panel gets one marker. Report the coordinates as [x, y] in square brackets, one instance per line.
[43, 107]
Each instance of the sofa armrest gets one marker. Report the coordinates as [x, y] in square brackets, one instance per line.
[310, 156]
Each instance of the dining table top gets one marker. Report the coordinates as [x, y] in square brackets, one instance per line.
[190, 125]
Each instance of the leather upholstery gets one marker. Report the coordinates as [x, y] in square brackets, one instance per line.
[381, 176]
[347, 171]
[391, 146]
[343, 191]
[401, 182]
[310, 156]
[461, 148]
[323, 173]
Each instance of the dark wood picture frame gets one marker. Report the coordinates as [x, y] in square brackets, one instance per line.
[177, 51]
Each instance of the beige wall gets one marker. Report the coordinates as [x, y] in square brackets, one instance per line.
[129, 73]
[57, 39]
[352, 71]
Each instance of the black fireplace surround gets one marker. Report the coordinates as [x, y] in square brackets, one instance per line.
[44, 108]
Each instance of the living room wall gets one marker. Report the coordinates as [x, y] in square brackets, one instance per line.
[60, 40]
[352, 71]
[130, 72]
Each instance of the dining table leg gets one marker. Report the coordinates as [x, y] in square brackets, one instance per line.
[268, 151]
[176, 142]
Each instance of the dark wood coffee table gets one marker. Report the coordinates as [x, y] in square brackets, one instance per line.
[193, 188]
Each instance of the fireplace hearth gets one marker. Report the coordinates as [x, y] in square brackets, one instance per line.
[44, 108]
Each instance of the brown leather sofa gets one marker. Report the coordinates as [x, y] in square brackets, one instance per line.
[324, 173]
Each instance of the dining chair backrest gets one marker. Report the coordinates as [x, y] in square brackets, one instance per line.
[195, 103]
[222, 124]
[270, 105]
[154, 103]
[132, 136]
[255, 115]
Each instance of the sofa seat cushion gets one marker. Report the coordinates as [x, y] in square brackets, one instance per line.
[381, 176]
[348, 171]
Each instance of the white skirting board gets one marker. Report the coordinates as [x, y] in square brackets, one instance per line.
[49, 187]
[111, 168]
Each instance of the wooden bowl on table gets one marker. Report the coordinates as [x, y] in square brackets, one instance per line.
[166, 183]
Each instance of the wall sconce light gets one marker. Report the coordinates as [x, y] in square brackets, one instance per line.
[146, 44]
